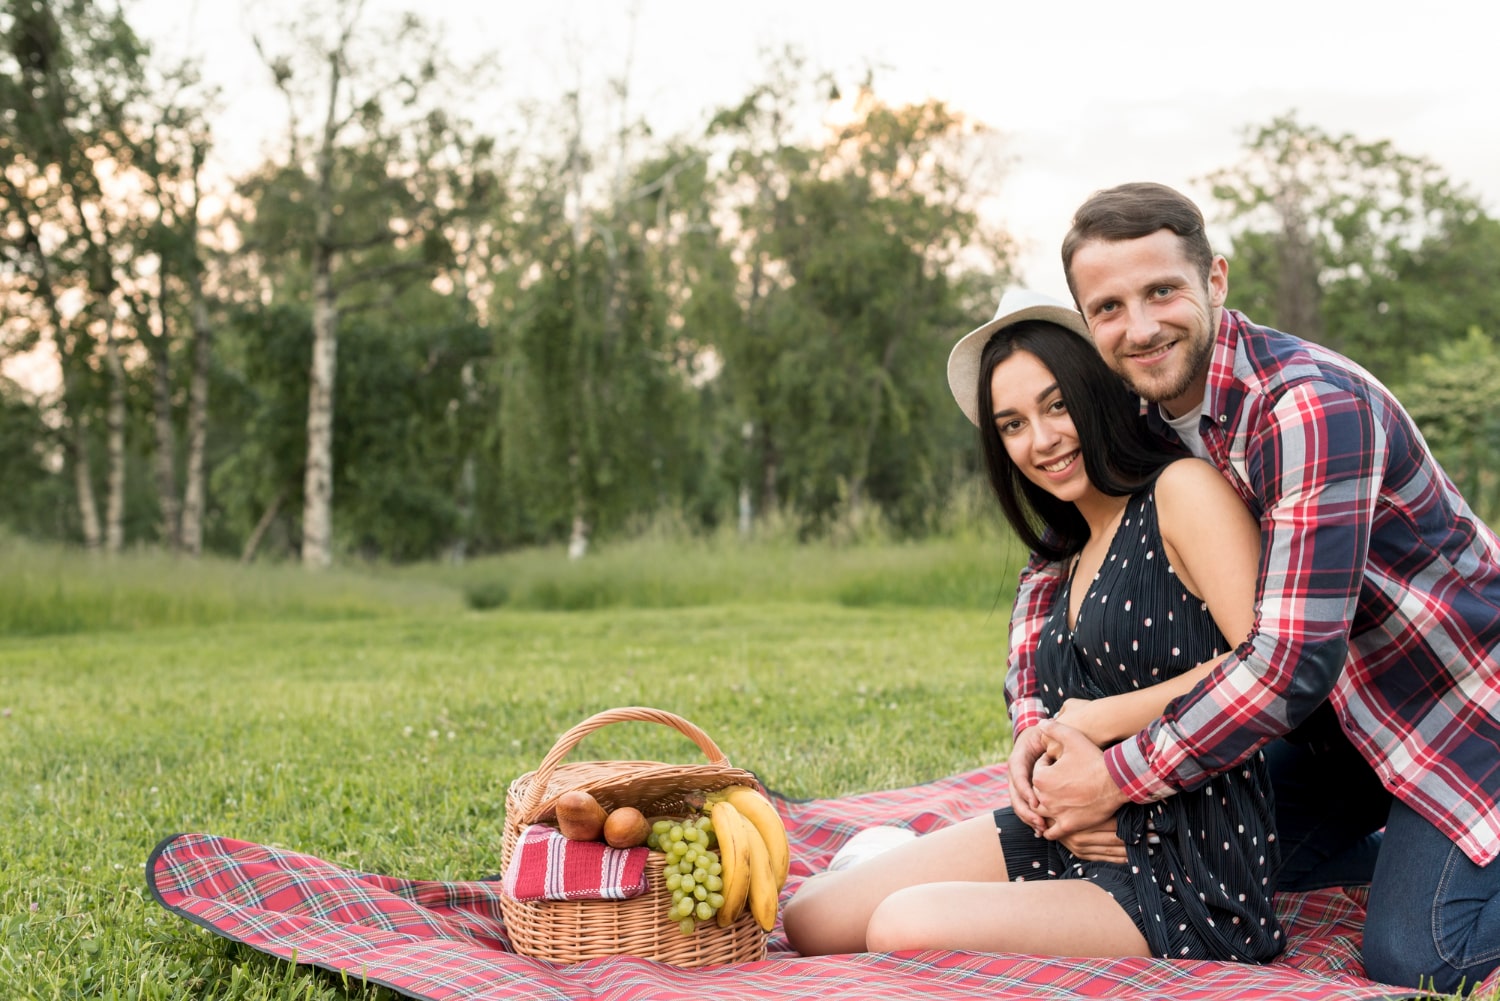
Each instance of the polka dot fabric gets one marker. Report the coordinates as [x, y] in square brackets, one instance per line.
[1198, 879]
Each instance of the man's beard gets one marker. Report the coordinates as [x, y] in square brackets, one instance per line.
[1196, 365]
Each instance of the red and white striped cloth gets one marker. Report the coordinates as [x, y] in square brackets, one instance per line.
[547, 866]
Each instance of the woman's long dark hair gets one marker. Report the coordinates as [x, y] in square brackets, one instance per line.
[1120, 454]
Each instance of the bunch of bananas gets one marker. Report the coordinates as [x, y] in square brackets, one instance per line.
[733, 855]
[753, 851]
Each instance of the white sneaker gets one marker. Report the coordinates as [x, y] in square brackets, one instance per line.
[867, 844]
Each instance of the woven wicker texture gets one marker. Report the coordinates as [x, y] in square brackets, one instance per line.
[570, 931]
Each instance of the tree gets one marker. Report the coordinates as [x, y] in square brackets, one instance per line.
[72, 81]
[165, 290]
[857, 259]
[594, 374]
[1451, 396]
[1321, 228]
[383, 175]
[1436, 293]
[32, 501]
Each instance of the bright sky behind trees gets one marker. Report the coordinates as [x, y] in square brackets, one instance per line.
[1085, 94]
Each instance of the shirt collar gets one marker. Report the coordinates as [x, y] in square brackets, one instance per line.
[1225, 392]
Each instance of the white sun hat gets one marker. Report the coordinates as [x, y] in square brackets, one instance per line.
[1016, 304]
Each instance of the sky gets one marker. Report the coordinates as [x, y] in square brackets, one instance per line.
[1084, 94]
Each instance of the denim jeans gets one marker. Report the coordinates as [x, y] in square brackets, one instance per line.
[1434, 915]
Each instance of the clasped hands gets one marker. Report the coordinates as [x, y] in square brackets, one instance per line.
[1062, 790]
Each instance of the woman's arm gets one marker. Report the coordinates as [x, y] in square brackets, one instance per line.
[1109, 720]
[1214, 545]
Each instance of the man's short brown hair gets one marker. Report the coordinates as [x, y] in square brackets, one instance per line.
[1131, 211]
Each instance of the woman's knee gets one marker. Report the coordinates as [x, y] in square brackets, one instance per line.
[797, 922]
[815, 920]
[896, 924]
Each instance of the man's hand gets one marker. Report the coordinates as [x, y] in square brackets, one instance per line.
[1097, 844]
[1027, 750]
[1070, 784]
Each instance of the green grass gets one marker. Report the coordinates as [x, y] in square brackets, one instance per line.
[48, 590]
[384, 740]
[374, 720]
[970, 573]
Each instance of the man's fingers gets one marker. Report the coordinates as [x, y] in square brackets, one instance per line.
[1024, 757]
[1099, 843]
[1057, 829]
[1029, 817]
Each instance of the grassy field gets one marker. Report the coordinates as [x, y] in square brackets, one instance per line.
[374, 719]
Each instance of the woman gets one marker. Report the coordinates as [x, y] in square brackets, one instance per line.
[1159, 558]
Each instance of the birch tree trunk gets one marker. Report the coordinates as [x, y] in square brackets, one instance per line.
[114, 509]
[317, 487]
[83, 482]
[267, 519]
[194, 493]
[578, 539]
[164, 459]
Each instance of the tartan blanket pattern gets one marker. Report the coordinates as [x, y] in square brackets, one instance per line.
[445, 941]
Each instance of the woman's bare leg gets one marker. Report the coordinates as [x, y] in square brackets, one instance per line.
[1052, 917]
[950, 890]
[830, 911]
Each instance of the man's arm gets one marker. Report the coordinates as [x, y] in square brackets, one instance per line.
[1316, 466]
[1034, 596]
[1111, 719]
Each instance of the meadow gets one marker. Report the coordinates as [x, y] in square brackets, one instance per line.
[374, 717]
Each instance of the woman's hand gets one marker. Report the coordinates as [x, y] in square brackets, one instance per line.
[1097, 844]
[1088, 716]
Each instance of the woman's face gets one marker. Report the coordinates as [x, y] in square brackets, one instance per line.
[1035, 427]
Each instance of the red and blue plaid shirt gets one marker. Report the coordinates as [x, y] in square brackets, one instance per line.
[1379, 591]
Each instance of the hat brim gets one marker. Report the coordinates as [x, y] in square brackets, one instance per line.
[963, 360]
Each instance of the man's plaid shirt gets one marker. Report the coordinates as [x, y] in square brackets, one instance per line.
[1378, 586]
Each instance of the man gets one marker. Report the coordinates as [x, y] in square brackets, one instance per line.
[1377, 642]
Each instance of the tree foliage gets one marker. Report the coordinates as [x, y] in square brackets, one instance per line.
[1325, 229]
[852, 283]
[1451, 396]
[100, 189]
[70, 90]
[561, 333]
[366, 202]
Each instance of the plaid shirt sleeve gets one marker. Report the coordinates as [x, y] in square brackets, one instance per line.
[1313, 456]
[1034, 595]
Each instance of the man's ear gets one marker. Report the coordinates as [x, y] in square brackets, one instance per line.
[1218, 282]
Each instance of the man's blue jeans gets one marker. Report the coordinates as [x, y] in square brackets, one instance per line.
[1434, 916]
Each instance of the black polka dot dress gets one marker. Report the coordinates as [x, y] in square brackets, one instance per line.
[1198, 880]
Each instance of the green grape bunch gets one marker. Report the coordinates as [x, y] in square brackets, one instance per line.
[693, 871]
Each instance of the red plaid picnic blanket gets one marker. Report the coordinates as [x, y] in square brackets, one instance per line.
[445, 941]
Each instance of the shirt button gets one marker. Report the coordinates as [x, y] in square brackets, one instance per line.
[1223, 418]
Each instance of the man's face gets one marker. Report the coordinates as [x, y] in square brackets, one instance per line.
[1152, 317]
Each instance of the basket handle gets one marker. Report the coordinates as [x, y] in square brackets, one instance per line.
[537, 786]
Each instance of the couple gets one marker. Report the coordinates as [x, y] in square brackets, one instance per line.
[1313, 612]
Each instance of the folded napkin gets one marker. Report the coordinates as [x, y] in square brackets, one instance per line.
[547, 866]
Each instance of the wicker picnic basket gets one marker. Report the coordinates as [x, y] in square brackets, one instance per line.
[568, 931]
